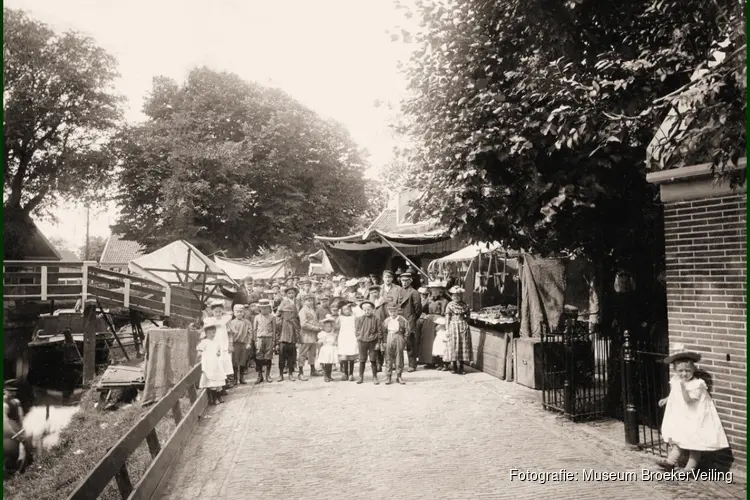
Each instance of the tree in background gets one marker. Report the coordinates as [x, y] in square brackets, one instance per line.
[59, 107]
[531, 120]
[235, 166]
[95, 248]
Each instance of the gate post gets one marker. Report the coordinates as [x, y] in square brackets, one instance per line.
[568, 387]
[630, 417]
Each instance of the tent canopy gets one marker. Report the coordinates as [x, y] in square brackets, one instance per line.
[173, 263]
[377, 239]
[472, 251]
[319, 263]
[240, 269]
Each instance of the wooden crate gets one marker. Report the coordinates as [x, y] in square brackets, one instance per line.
[492, 350]
[528, 362]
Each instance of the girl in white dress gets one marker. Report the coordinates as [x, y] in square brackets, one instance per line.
[219, 319]
[348, 349]
[327, 348]
[212, 374]
[691, 423]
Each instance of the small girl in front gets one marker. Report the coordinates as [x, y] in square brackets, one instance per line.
[212, 373]
[327, 352]
[691, 423]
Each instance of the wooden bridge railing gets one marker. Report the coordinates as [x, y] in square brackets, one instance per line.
[50, 280]
[114, 464]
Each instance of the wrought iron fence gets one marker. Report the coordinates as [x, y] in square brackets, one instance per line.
[577, 378]
[651, 382]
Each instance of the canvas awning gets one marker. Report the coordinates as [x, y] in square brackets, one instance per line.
[319, 263]
[472, 251]
[175, 262]
[376, 239]
[240, 269]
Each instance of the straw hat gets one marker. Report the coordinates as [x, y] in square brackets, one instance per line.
[680, 352]
[367, 302]
[422, 290]
[328, 319]
[436, 284]
[352, 282]
[264, 303]
[456, 289]
[216, 303]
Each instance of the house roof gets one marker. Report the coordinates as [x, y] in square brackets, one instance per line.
[68, 256]
[120, 251]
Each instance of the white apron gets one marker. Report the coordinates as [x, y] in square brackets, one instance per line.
[696, 425]
[347, 337]
[222, 340]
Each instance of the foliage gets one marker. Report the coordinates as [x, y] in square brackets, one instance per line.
[95, 248]
[59, 107]
[235, 166]
[532, 119]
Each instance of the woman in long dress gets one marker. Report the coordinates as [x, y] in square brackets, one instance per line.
[433, 311]
[458, 348]
[348, 349]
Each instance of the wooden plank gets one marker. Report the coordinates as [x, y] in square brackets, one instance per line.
[38, 263]
[89, 345]
[36, 290]
[177, 412]
[126, 294]
[122, 478]
[85, 285]
[97, 280]
[155, 478]
[132, 277]
[97, 479]
[154, 447]
[152, 306]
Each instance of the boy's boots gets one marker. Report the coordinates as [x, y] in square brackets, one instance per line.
[268, 371]
[301, 375]
[313, 373]
[291, 374]
[374, 366]
[361, 373]
[260, 376]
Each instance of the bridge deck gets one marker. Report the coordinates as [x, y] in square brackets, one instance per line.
[441, 436]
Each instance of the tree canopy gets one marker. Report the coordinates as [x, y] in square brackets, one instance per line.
[235, 166]
[59, 107]
[532, 119]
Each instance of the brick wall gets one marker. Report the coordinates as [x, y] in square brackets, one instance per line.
[706, 251]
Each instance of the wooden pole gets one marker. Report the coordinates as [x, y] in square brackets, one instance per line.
[89, 344]
[88, 223]
[407, 259]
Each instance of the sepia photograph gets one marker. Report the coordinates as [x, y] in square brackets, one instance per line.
[374, 249]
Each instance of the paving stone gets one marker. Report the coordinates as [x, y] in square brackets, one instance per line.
[440, 436]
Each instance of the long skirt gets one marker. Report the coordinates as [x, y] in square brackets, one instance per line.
[458, 347]
[427, 340]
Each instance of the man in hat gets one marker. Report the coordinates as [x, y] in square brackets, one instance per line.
[288, 333]
[310, 328]
[389, 289]
[251, 311]
[324, 307]
[239, 332]
[264, 333]
[368, 330]
[411, 309]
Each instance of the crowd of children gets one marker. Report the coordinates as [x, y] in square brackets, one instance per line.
[332, 323]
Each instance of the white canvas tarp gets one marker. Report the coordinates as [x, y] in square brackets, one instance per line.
[180, 256]
[319, 263]
[470, 252]
[239, 270]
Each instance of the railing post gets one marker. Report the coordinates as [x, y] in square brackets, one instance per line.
[126, 296]
[630, 417]
[84, 285]
[43, 282]
[568, 387]
[167, 301]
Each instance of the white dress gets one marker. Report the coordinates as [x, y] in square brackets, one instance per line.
[441, 337]
[212, 376]
[347, 337]
[327, 353]
[222, 339]
[695, 425]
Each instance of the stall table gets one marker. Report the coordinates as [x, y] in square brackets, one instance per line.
[492, 345]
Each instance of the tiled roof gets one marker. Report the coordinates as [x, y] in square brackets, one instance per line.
[119, 251]
[388, 223]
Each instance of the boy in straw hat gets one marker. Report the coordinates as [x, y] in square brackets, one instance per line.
[264, 331]
[288, 334]
[309, 332]
[691, 423]
[396, 328]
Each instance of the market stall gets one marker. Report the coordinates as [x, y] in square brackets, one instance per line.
[490, 277]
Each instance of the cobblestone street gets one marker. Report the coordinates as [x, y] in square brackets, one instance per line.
[440, 436]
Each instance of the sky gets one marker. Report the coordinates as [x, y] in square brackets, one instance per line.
[335, 56]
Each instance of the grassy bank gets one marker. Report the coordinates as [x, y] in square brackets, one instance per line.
[83, 443]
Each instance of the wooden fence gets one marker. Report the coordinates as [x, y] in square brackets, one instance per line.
[51, 280]
[114, 464]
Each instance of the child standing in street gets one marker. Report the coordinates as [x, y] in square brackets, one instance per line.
[219, 319]
[347, 340]
[212, 373]
[327, 351]
[458, 347]
[310, 327]
[368, 329]
[691, 423]
[288, 334]
[396, 328]
[264, 331]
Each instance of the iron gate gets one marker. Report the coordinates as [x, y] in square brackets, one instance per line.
[577, 375]
[651, 382]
